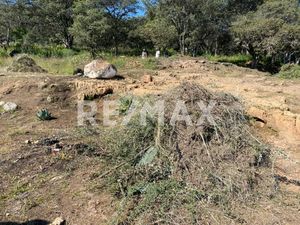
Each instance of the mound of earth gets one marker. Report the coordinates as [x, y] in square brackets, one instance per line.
[25, 64]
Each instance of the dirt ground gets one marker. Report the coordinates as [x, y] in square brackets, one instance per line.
[36, 182]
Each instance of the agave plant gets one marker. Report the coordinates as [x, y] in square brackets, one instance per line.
[44, 114]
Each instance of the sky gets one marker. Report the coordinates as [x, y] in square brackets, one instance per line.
[141, 10]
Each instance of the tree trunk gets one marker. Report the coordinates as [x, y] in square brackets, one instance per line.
[116, 50]
[7, 39]
[216, 47]
[69, 40]
[182, 44]
[254, 56]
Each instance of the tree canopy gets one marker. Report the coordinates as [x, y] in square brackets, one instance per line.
[265, 29]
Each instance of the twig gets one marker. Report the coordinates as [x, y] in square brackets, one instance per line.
[207, 150]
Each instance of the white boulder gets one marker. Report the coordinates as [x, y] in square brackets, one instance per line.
[10, 107]
[100, 69]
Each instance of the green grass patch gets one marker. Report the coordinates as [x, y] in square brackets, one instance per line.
[150, 63]
[63, 66]
[238, 59]
[5, 61]
[66, 65]
[3, 53]
[290, 71]
[55, 65]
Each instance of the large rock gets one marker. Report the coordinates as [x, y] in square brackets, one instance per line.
[99, 69]
[25, 64]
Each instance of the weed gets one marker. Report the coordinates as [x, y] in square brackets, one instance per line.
[290, 71]
[150, 63]
[3, 53]
[125, 104]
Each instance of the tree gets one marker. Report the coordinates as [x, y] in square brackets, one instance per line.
[51, 19]
[271, 31]
[90, 28]
[13, 20]
[118, 13]
[180, 14]
[6, 24]
[160, 32]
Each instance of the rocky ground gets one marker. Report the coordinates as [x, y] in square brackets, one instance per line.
[49, 169]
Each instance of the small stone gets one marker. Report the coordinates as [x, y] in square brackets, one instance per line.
[28, 142]
[260, 124]
[10, 107]
[8, 91]
[58, 221]
[2, 103]
[43, 85]
[49, 99]
[56, 150]
[147, 79]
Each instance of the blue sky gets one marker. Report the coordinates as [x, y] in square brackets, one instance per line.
[141, 11]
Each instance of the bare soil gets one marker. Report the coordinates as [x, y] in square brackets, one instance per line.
[38, 182]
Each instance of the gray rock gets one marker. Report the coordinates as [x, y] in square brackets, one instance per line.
[10, 107]
[58, 221]
[49, 99]
[99, 69]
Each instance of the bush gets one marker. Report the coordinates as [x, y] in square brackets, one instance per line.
[3, 53]
[50, 51]
[290, 71]
[150, 63]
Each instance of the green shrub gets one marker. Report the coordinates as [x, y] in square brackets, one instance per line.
[49, 51]
[150, 63]
[125, 104]
[3, 53]
[290, 71]
[119, 62]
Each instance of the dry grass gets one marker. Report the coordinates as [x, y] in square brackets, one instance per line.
[178, 174]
